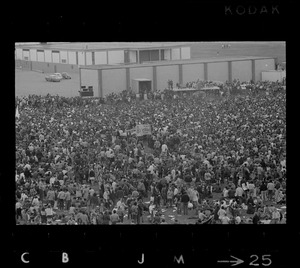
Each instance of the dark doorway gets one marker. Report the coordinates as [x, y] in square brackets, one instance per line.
[144, 88]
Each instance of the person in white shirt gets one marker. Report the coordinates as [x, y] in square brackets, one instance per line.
[151, 168]
[164, 148]
[49, 212]
[114, 184]
[151, 210]
[275, 216]
[173, 174]
[35, 202]
[225, 220]
[225, 192]
[175, 191]
[23, 197]
[221, 213]
[52, 180]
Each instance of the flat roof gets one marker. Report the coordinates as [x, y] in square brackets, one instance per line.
[102, 45]
[174, 62]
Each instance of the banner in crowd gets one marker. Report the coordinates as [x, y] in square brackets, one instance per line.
[125, 133]
[144, 129]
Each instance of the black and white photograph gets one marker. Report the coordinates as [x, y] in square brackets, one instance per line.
[150, 133]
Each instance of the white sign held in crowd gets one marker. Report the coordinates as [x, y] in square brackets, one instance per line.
[143, 130]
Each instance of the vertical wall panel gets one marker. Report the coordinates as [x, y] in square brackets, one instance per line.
[175, 53]
[165, 73]
[218, 71]
[144, 56]
[192, 72]
[185, 53]
[19, 53]
[113, 80]
[89, 58]
[263, 65]
[26, 55]
[115, 56]
[64, 57]
[55, 57]
[41, 56]
[72, 57]
[132, 56]
[167, 54]
[33, 56]
[81, 58]
[48, 56]
[100, 57]
[90, 78]
[154, 55]
[241, 70]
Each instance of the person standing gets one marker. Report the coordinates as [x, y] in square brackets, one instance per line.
[51, 196]
[170, 197]
[61, 199]
[114, 217]
[185, 200]
[140, 212]
[271, 189]
[263, 190]
[134, 212]
[67, 199]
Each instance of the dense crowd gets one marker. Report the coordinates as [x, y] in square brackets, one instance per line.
[217, 160]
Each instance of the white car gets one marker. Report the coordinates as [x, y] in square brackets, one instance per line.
[52, 78]
[58, 75]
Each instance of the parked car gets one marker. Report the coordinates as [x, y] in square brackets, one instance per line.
[53, 78]
[66, 75]
[59, 75]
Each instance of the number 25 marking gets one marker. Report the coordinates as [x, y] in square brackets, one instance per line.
[264, 258]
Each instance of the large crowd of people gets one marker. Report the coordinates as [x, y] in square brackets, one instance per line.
[218, 160]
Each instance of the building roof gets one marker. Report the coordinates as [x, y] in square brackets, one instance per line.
[88, 46]
[174, 62]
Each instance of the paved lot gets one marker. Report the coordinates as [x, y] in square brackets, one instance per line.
[30, 82]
